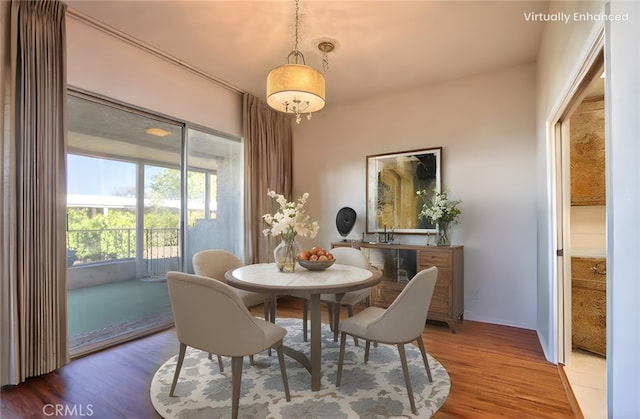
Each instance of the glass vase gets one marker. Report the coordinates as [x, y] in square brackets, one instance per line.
[285, 255]
[443, 231]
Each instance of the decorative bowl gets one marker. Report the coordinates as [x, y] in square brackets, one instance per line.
[316, 265]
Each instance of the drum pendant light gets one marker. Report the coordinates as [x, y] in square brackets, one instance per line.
[295, 87]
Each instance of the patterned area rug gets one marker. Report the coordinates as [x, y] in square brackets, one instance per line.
[373, 390]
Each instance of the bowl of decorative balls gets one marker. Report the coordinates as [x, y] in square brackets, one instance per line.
[315, 259]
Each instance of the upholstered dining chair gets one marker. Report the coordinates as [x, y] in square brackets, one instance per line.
[214, 263]
[345, 256]
[401, 323]
[210, 316]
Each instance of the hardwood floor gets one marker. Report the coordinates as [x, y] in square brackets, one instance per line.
[495, 371]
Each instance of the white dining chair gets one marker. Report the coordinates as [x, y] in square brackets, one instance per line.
[214, 263]
[401, 323]
[210, 316]
[344, 256]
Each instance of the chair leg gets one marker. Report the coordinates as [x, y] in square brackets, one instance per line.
[407, 379]
[343, 339]
[424, 358]
[332, 324]
[220, 366]
[283, 371]
[272, 306]
[336, 321]
[236, 377]
[350, 313]
[251, 361]
[305, 306]
[367, 346]
[266, 310]
[183, 350]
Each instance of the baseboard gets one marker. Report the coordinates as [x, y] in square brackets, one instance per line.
[573, 402]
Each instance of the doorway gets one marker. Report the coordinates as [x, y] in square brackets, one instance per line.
[582, 239]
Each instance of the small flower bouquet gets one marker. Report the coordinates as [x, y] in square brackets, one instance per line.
[289, 221]
[441, 211]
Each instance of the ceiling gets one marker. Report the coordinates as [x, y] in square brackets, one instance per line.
[382, 46]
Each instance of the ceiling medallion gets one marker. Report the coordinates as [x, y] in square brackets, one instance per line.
[326, 47]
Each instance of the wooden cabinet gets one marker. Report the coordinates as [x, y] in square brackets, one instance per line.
[447, 304]
[589, 304]
[399, 263]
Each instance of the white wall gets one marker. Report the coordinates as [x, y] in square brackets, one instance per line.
[102, 63]
[622, 66]
[486, 126]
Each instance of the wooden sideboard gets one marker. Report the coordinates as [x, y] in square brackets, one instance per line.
[400, 262]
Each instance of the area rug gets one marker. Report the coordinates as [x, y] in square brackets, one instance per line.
[372, 390]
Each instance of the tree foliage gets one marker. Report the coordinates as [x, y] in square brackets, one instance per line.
[102, 236]
[97, 234]
[165, 184]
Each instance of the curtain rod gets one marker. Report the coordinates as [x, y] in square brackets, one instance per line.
[81, 17]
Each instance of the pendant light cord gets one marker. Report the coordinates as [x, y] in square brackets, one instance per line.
[296, 53]
[297, 11]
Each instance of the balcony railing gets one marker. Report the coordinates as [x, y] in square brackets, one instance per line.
[160, 247]
[161, 250]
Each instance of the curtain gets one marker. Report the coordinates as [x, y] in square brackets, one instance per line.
[33, 228]
[268, 166]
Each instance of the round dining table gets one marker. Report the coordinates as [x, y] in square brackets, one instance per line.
[337, 279]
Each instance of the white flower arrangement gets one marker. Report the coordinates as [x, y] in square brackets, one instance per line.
[290, 220]
[439, 209]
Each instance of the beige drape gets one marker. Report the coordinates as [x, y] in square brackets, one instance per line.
[268, 166]
[33, 258]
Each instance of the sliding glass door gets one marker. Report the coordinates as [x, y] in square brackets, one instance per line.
[161, 221]
[214, 189]
[127, 213]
